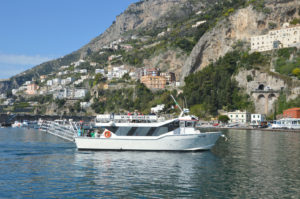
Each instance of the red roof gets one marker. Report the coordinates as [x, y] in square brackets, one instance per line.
[293, 109]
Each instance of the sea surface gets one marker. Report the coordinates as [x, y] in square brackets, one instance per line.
[251, 164]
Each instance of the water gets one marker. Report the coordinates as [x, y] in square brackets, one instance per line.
[252, 164]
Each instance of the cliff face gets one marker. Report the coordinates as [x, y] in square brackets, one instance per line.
[136, 16]
[240, 26]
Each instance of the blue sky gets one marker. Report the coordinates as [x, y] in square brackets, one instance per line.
[35, 31]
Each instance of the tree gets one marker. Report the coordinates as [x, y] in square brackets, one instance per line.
[296, 71]
[223, 118]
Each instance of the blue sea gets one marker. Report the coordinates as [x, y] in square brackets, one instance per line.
[251, 164]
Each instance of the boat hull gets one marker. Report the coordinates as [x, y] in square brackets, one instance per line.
[183, 142]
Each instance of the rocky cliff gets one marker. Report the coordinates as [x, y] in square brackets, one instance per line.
[240, 26]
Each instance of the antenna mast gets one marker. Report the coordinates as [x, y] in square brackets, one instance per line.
[177, 103]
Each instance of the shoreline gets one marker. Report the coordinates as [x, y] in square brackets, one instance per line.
[246, 128]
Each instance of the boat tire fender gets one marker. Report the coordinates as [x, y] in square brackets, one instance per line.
[107, 134]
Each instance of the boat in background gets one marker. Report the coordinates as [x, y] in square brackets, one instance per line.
[17, 124]
[286, 123]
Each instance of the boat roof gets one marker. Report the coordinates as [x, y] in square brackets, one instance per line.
[131, 124]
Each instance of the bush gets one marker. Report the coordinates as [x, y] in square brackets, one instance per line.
[249, 78]
[223, 118]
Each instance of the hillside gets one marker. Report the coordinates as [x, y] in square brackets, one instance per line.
[184, 37]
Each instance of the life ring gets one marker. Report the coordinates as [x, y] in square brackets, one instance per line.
[107, 134]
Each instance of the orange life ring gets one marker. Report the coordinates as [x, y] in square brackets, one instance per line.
[107, 134]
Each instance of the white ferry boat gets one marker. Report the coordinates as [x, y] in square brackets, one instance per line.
[286, 123]
[145, 134]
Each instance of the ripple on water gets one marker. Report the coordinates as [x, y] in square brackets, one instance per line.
[250, 165]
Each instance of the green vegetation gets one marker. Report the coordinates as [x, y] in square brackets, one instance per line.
[60, 102]
[223, 118]
[282, 103]
[42, 99]
[287, 60]
[130, 99]
[213, 88]
[295, 21]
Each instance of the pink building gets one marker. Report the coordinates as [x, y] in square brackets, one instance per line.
[32, 89]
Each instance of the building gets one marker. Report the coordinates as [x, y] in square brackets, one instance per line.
[43, 77]
[56, 81]
[49, 82]
[278, 38]
[32, 89]
[83, 71]
[116, 72]
[291, 113]
[94, 64]
[157, 108]
[28, 82]
[102, 71]
[257, 118]
[80, 93]
[85, 105]
[170, 77]
[3, 96]
[240, 117]
[152, 72]
[154, 82]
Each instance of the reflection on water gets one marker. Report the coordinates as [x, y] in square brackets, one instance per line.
[251, 164]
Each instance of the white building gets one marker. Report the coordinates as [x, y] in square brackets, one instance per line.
[102, 71]
[158, 108]
[117, 72]
[94, 64]
[198, 23]
[14, 91]
[82, 71]
[49, 82]
[66, 72]
[80, 93]
[63, 93]
[78, 62]
[85, 105]
[28, 82]
[278, 38]
[3, 96]
[240, 117]
[8, 102]
[56, 81]
[256, 119]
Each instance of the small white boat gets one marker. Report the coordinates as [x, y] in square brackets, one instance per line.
[17, 124]
[286, 123]
[177, 134]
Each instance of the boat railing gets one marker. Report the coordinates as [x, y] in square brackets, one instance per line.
[65, 131]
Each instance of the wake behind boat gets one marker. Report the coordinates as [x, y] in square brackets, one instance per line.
[148, 134]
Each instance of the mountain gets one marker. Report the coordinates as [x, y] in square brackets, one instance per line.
[184, 36]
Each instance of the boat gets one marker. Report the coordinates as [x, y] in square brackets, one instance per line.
[17, 124]
[147, 133]
[286, 123]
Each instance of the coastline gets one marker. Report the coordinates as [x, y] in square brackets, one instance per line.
[247, 128]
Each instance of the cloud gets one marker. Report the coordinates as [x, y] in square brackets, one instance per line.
[22, 59]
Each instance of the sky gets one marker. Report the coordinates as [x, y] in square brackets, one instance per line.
[35, 31]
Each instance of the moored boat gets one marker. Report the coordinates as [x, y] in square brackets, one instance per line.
[177, 134]
[286, 123]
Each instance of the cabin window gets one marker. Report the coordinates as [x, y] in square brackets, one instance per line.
[182, 123]
[189, 124]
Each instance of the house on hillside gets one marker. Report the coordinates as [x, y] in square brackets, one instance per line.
[32, 89]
